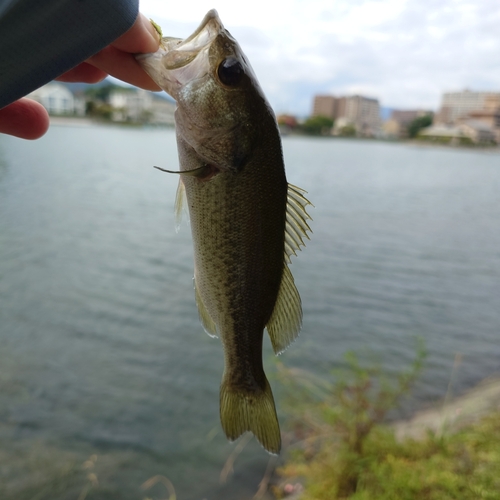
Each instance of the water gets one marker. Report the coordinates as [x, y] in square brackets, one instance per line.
[101, 350]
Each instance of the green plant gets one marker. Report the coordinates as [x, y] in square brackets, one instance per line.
[418, 124]
[348, 130]
[334, 424]
[318, 125]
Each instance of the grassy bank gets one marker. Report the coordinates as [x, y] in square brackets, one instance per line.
[341, 447]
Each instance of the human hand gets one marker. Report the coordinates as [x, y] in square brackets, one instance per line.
[118, 58]
[28, 119]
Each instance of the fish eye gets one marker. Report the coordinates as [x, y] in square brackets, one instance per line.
[230, 71]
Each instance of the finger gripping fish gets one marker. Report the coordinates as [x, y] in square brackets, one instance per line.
[246, 220]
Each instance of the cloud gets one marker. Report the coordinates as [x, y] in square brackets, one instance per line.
[406, 53]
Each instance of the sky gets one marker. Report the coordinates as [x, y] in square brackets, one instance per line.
[405, 53]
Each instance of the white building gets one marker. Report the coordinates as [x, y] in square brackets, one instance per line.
[468, 131]
[458, 105]
[138, 105]
[58, 100]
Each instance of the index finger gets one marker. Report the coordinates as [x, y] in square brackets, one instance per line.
[142, 37]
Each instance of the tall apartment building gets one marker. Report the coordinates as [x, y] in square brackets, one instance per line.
[325, 105]
[458, 105]
[362, 112]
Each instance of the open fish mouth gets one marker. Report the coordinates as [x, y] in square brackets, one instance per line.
[179, 61]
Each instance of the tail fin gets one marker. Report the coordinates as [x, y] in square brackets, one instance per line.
[240, 412]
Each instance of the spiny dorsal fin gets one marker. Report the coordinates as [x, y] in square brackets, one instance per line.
[286, 319]
[180, 203]
[296, 221]
[207, 322]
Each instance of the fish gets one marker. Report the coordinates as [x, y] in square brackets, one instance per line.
[246, 219]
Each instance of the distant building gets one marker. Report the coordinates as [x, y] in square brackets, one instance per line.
[140, 106]
[477, 114]
[443, 134]
[361, 112]
[325, 105]
[488, 117]
[392, 129]
[397, 125]
[58, 100]
[478, 131]
[163, 111]
[469, 131]
[458, 105]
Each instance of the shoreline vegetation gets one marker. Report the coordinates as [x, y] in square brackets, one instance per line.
[342, 445]
[85, 121]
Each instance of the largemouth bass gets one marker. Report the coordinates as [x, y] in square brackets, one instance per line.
[246, 220]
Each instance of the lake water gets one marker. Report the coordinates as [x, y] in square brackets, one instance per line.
[101, 350]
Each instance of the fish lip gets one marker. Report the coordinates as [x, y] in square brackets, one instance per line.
[180, 54]
[181, 61]
[210, 26]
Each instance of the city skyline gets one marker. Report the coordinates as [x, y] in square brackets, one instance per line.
[405, 53]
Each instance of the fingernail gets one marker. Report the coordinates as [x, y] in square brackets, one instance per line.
[156, 37]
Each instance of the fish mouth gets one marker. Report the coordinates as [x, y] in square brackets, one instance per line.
[180, 53]
[178, 61]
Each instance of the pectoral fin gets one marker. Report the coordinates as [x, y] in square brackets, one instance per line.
[180, 201]
[208, 323]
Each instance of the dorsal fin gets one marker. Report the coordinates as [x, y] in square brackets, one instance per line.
[285, 322]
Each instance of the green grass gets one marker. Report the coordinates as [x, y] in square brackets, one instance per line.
[464, 466]
[343, 449]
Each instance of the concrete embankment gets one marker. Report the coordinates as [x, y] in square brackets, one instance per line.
[454, 414]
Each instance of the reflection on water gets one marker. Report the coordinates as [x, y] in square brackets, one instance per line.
[101, 350]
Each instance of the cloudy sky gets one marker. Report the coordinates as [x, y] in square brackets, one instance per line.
[406, 53]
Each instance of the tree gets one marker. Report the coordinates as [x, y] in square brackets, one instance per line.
[318, 125]
[101, 92]
[348, 130]
[418, 124]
